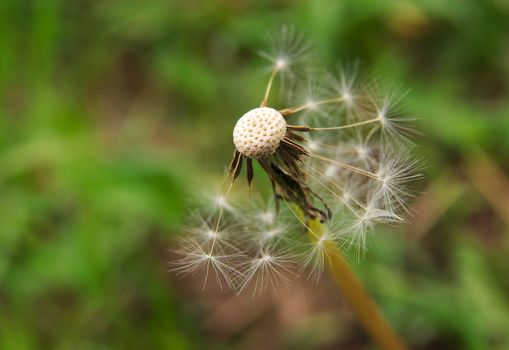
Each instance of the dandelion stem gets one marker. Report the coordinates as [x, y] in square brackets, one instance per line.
[337, 186]
[305, 128]
[289, 111]
[346, 166]
[354, 292]
[315, 235]
[353, 125]
[221, 210]
[269, 87]
[331, 191]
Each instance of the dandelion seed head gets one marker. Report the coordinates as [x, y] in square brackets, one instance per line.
[340, 162]
[258, 133]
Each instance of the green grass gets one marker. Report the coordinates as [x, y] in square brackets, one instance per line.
[112, 112]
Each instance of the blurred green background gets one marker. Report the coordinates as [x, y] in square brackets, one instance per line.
[112, 112]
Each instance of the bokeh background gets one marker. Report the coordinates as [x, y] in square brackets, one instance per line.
[113, 112]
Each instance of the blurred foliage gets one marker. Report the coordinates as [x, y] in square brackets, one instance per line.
[110, 111]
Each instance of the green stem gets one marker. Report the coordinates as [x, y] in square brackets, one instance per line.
[354, 292]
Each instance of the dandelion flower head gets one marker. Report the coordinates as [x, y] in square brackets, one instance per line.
[337, 153]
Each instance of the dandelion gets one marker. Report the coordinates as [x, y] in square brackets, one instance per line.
[196, 257]
[339, 162]
[338, 159]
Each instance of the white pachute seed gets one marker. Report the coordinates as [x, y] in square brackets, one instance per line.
[258, 133]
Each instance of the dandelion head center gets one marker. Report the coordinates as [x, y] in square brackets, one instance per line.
[267, 217]
[323, 238]
[362, 151]
[330, 171]
[310, 104]
[347, 97]
[211, 233]
[266, 258]
[272, 233]
[258, 133]
[281, 63]
[221, 201]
